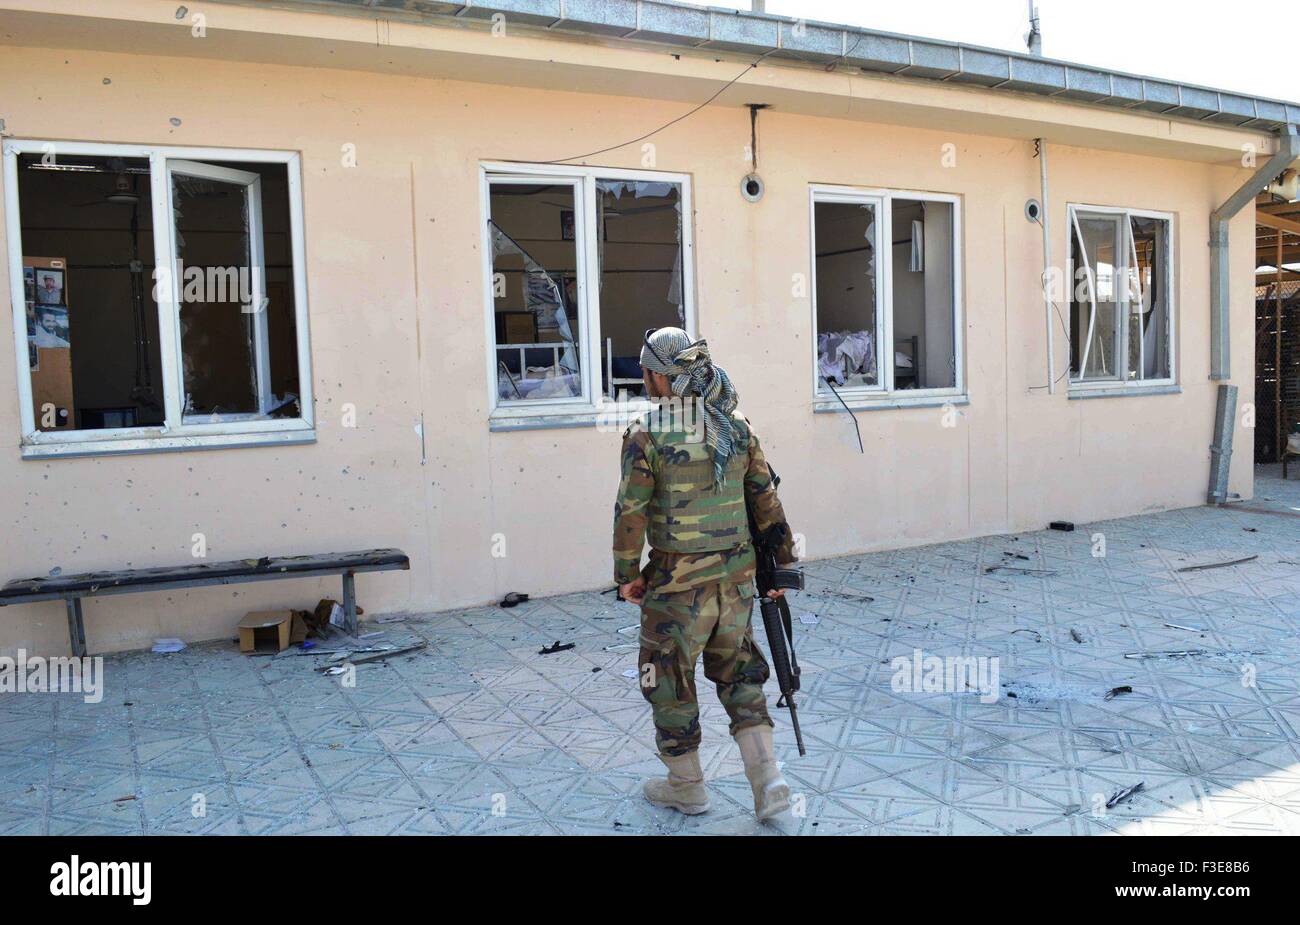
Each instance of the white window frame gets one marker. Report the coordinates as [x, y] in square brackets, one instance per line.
[882, 394]
[1116, 385]
[585, 408]
[175, 433]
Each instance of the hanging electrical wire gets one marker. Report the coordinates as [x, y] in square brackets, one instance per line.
[753, 64]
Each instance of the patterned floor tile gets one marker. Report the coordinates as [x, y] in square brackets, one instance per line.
[1111, 671]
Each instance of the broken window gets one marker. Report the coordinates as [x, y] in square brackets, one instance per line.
[639, 253]
[140, 328]
[87, 263]
[923, 295]
[1120, 306]
[848, 306]
[535, 289]
[885, 292]
[582, 264]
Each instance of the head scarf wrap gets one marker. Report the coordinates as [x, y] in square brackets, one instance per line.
[671, 352]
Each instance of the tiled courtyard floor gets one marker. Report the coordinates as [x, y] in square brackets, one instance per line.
[480, 733]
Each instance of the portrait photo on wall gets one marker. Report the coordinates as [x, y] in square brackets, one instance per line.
[49, 286]
[33, 355]
[52, 326]
[29, 284]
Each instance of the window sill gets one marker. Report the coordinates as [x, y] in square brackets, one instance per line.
[610, 416]
[1122, 391]
[166, 443]
[542, 422]
[886, 402]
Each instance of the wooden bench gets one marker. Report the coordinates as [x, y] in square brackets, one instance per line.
[72, 588]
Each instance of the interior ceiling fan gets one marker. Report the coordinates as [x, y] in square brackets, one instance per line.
[123, 193]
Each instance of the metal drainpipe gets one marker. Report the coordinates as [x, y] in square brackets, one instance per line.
[1220, 339]
[1044, 210]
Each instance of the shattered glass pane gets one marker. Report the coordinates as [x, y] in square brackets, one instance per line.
[535, 289]
[639, 252]
[1095, 296]
[847, 283]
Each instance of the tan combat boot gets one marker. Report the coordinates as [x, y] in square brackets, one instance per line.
[683, 790]
[771, 792]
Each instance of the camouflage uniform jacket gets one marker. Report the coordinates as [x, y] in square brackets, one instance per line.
[651, 482]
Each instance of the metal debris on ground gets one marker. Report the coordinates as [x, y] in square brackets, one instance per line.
[1125, 795]
[1076, 635]
[1038, 637]
[1183, 653]
[1179, 626]
[557, 647]
[513, 599]
[1116, 691]
[377, 653]
[1019, 571]
[166, 646]
[1208, 565]
[1063, 525]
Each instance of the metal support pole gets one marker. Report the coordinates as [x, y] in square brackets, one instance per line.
[1279, 426]
[76, 628]
[350, 602]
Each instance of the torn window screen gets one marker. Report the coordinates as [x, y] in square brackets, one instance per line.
[639, 250]
[1120, 319]
[535, 285]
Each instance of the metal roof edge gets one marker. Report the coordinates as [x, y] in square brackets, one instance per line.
[676, 24]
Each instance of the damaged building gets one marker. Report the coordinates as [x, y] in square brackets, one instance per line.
[332, 275]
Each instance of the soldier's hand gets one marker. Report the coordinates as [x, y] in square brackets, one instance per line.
[633, 591]
[776, 594]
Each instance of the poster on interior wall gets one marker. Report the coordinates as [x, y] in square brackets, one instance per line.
[33, 355]
[29, 284]
[566, 225]
[49, 286]
[544, 300]
[31, 318]
[52, 326]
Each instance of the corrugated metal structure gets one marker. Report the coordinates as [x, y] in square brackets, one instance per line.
[1278, 409]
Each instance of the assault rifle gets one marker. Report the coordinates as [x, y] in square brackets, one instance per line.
[776, 612]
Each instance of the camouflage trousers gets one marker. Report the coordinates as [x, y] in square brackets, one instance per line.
[676, 628]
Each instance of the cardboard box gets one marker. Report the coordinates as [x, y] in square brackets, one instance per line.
[265, 631]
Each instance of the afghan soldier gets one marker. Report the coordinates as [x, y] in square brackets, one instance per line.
[696, 591]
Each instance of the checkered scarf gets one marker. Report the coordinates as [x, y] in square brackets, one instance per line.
[693, 372]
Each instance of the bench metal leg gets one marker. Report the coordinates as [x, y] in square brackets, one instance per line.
[350, 602]
[76, 628]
